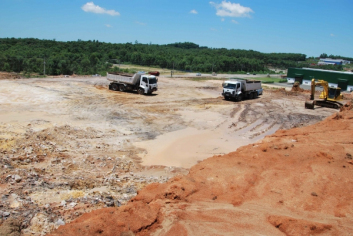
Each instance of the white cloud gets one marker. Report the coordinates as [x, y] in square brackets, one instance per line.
[193, 12]
[222, 19]
[109, 26]
[231, 9]
[234, 22]
[213, 29]
[332, 35]
[90, 7]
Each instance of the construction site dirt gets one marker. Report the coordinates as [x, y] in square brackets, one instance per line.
[69, 146]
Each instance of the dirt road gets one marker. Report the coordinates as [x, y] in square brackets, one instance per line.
[69, 145]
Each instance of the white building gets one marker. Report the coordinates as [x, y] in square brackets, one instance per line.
[330, 61]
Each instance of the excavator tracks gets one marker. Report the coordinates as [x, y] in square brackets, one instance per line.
[323, 103]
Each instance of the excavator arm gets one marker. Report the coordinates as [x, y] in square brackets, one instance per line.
[324, 84]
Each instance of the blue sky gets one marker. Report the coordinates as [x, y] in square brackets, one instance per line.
[311, 27]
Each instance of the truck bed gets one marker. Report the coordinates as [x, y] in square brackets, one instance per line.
[123, 78]
[252, 85]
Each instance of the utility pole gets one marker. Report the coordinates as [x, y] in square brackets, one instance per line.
[172, 70]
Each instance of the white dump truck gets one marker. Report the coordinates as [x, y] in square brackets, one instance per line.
[142, 83]
[240, 89]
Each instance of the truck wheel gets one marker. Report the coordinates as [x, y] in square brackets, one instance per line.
[255, 95]
[240, 97]
[226, 98]
[114, 87]
[121, 88]
[140, 91]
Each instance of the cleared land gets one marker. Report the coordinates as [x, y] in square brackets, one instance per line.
[69, 145]
[294, 182]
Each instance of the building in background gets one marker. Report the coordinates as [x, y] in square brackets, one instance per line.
[335, 79]
[329, 61]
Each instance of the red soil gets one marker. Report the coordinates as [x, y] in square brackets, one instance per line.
[295, 182]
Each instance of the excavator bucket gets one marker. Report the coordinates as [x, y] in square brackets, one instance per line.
[309, 104]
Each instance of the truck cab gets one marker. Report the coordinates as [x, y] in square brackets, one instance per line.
[231, 89]
[148, 84]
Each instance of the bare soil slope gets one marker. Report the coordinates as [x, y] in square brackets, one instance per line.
[294, 182]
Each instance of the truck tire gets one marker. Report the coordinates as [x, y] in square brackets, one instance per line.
[114, 87]
[122, 88]
[240, 97]
[255, 95]
[140, 91]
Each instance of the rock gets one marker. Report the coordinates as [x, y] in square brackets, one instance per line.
[6, 214]
[109, 203]
[72, 204]
[314, 194]
[60, 222]
[18, 178]
[109, 197]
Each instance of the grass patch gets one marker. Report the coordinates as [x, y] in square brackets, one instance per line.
[32, 75]
[267, 80]
[264, 80]
[205, 78]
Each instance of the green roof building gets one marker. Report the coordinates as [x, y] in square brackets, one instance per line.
[335, 79]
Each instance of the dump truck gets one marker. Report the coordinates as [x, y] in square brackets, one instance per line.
[142, 83]
[240, 89]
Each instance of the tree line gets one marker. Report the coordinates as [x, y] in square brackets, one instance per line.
[29, 55]
[324, 55]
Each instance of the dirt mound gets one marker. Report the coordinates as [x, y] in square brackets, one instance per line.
[291, 226]
[296, 87]
[8, 75]
[297, 182]
[347, 106]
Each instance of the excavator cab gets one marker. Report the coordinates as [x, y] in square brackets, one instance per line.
[334, 93]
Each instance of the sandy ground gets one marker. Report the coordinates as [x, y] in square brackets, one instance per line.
[294, 182]
[69, 145]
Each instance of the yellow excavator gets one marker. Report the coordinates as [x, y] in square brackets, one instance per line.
[329, 97]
